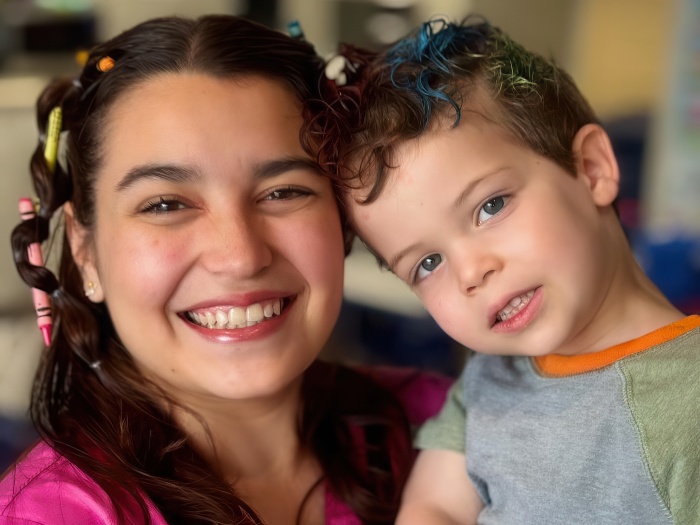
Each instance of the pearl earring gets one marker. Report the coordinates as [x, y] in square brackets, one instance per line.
[91, 289]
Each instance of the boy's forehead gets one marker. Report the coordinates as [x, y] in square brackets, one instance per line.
[410, 151]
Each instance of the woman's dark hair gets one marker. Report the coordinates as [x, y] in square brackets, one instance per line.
[89, 400]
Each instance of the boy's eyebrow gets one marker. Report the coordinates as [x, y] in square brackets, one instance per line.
[186, 174]
[397, 258]
[473, 184]
[469, 188]
[379, 258]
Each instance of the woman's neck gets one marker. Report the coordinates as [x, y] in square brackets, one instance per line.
[247, 437]
[255, 447]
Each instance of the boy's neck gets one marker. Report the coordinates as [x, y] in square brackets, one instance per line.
[632, 305]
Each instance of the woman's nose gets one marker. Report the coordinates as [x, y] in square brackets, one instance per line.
[237, 245]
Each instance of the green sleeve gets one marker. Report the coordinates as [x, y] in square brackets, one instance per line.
[662, 391]
[446, 431]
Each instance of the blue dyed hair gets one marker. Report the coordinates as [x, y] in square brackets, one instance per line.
[435, 72]
[431, 46]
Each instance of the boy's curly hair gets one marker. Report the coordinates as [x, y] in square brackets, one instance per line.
[439, 72]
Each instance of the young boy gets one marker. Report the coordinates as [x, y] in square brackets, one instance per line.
[479, 175]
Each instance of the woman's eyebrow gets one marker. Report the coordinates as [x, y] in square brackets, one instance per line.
[185, 174]
[272, 168]
[166, 172]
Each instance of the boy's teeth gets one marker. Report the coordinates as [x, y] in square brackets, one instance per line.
[514, 306]
[236, 317]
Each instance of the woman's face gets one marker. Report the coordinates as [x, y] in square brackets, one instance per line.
[217, 246]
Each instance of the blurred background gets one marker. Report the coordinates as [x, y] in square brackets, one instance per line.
[637, 61]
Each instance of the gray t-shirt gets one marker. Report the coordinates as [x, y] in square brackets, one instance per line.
[617, 443]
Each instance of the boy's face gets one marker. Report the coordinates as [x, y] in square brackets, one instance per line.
[509, 253]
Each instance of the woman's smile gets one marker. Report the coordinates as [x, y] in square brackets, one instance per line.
[235, 317]
[219, 235]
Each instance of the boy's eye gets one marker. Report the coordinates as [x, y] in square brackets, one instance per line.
[491, 208]
[163, 205]
[427, 266]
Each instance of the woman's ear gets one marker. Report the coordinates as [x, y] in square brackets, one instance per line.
[596, 164]
[83, 252]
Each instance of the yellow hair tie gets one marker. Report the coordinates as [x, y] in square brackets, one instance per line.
[53, 132]
[81, 57]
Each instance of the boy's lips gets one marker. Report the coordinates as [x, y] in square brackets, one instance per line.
[511, 307]
[228, 317]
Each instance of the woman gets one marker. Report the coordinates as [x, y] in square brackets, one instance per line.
[200, 276]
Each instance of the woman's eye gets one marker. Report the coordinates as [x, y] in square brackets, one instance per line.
[286, 193]
[163, 205]
[427, 266]
[491, 208]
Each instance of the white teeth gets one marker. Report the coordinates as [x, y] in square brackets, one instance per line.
[237, 317]
[254, 313]
[221, 318]
[514, 306]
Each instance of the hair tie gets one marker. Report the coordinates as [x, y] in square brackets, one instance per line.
[295, 31]
[81, 57]
[336, 70]
[105, 63]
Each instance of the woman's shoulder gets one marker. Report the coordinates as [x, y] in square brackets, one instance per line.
[421, 393]
[45, 487]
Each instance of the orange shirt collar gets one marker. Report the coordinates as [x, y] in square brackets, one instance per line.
[564, 365]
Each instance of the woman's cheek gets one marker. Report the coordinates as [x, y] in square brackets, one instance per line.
[145, 264]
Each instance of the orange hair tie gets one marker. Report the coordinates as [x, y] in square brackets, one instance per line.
[105, 64]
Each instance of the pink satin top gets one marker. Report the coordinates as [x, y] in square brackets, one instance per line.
[44, 487]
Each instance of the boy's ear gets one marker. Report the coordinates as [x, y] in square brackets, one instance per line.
[83, 253]
[596, 163]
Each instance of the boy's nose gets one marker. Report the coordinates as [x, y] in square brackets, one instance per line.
[237, 246]
[474, 266]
